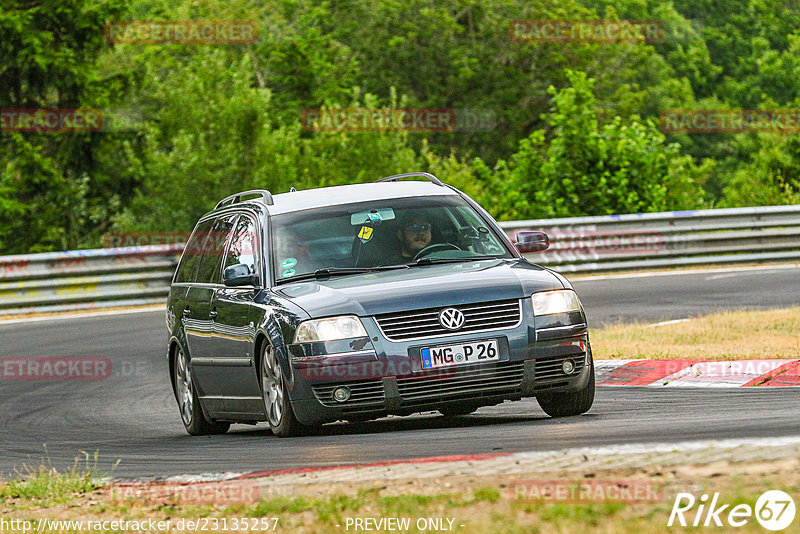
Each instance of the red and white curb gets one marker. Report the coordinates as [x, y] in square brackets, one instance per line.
[698, 373]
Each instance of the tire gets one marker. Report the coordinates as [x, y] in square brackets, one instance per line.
[456, 411]
[571, 403]
[277, 406]
[191, 412]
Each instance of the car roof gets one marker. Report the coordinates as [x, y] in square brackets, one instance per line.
[346, 194]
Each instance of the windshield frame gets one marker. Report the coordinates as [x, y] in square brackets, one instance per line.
[461, 201]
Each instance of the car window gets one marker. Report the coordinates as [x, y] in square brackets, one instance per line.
[242, 248]
[190, 259]
[209, 271]
[384, 232]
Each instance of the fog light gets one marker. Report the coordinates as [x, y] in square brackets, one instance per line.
[341, 394]
[568, 366]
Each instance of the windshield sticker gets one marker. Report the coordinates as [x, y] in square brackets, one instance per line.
[374, 216]
[288, 272]
[288, 263]
[365, 234]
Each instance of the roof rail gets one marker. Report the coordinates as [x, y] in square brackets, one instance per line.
[427, 175]
[265, 195]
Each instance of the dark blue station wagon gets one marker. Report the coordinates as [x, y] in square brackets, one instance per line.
[359, 301]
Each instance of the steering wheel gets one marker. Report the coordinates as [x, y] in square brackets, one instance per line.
[434, 248]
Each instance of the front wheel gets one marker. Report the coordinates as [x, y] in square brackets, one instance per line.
[280, 415]
[569, 403]
[192, 415]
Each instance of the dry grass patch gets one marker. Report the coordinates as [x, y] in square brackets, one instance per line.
[740, 335]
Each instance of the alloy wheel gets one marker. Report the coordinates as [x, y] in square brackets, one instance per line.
[272, 387]
[183, 380]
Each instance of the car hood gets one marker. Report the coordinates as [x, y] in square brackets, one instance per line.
[427, 286]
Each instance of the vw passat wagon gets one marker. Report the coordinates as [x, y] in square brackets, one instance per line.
[359, 301]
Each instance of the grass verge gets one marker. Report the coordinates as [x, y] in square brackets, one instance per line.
[481, 504]
[45, 486]
[739, 335]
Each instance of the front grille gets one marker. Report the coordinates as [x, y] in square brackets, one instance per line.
[361, 394]
[550, 368]
[461, 382]
[418, 324]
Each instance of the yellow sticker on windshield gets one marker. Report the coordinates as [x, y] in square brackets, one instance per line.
[365, 234]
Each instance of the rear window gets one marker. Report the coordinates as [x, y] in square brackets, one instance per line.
[190, 259]
[209, 271]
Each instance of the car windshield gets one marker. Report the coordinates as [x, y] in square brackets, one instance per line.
[379, 233]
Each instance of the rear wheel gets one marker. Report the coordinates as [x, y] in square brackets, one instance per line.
[280, 415]
[192, 415]
[569, 403]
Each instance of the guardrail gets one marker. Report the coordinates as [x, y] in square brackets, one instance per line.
[667, 239]
[79, 279]
[125, 276]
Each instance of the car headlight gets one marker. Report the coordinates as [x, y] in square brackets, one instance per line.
[561, 301]
[330, 329]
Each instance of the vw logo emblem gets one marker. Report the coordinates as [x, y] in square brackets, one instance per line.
[451, 318]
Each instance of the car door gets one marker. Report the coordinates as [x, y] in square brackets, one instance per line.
[190, 315]
[199, 324]
[234, 329]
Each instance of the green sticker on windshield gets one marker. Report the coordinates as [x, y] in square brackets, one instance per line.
[288, 272]
[288, 263]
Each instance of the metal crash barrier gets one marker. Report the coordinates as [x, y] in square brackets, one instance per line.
[667, 239]
[81, 279]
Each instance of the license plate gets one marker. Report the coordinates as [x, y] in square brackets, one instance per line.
[460, 354]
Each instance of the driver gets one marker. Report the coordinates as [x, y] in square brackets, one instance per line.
[414, 234]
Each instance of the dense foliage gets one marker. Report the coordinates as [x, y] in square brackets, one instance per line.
[576, 125]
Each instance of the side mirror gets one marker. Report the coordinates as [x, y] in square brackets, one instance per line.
[239, 275]
[532, 242]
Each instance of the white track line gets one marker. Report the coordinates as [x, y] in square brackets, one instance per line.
[678, 273]
[81, 315]
[665, 323]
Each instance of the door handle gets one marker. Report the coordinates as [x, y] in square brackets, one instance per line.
[213, 314]
[186, 312]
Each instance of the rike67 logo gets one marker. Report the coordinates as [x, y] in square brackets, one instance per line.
[774, 510]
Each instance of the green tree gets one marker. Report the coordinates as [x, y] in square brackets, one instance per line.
[51, 196]
[580, 167]
[771, 177]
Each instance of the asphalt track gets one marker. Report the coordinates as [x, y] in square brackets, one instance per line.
[131, 416]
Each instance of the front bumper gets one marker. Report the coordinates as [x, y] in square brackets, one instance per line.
[383, 381]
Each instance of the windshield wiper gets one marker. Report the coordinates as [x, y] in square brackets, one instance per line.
[327, 272]
[429, 261]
